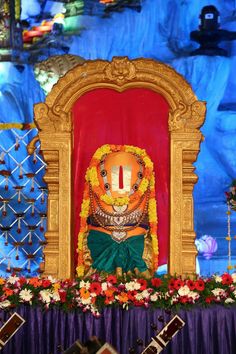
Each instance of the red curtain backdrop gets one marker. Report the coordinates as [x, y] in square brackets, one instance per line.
[134, 117]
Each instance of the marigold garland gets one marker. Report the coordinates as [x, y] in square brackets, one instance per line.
[148, 181]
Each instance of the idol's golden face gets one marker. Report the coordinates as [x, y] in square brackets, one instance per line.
[120, 171]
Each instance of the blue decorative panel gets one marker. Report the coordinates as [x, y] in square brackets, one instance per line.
[23, 200]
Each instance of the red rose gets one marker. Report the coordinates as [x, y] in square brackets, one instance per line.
[156, 282]
[22, 281]
[112, 279]
[46, 283]
[200, 285]
[109, 299]
[209, 299]
[139, 303]
[183, 299]
[131, 295]
[62, 294]
[190, 284]
[143, 284]
[96, 288]
[227, 279]
[178, 284]
[171, 284]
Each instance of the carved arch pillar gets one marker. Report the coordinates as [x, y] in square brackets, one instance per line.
[53, 119]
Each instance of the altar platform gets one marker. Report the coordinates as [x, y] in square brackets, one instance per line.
[209, 330]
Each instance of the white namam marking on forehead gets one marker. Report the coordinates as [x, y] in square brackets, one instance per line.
[127, 173]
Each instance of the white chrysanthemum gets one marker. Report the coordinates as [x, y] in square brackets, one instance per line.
[229, 300]
[12, 279]
[84, 284]
[93, 294]
[234, 277]
[45, 296]
[138, 297]
[218, 292]
[193, 295]
[4, 304]
[217, 278]
[55, 296]
[104, 286]
[145, 294]
[174, 299]
[132, 285]
[153, 297]
[184, 290]
[86, 301]
[26, 295]
[52, 280]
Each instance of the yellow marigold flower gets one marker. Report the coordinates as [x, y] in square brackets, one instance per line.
[84, 293]
[143, 185]
[152, 210]
[107, 199]
[56, 286]
[80, 270]
[152, 181]
[114, 201]
[80, 240]
[2, 281]
[154, 243]
[105, 149]
[148, 162]
[229, 267]
[135, 150]
[121, 201]
[85, 208]
[123, 297]
[92, 176]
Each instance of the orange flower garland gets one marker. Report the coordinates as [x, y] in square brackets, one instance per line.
[148, 181]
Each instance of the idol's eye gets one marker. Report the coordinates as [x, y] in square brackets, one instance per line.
[140, 175]
[140, 161]
[107, 186]
[135, 187]
[103, 173]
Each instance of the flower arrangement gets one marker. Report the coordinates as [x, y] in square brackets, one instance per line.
[231, 196]
[92, 181]
[94, 293]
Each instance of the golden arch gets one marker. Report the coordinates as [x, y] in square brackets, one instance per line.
[53, 118]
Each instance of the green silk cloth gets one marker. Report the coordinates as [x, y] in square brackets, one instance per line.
[108, 254]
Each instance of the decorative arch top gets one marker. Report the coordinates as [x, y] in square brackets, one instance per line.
[54, 120]
[186, 112]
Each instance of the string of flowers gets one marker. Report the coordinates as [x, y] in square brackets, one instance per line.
[231, 205]
[95, 293]
[91, 177]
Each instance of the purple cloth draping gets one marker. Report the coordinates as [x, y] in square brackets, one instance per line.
[207, 331]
